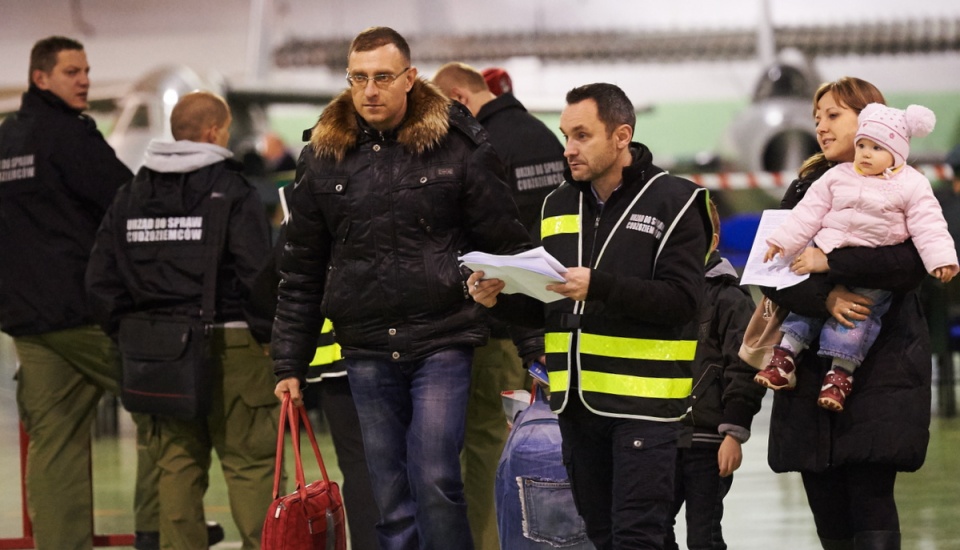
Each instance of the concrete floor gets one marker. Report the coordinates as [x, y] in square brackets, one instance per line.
[763, 510]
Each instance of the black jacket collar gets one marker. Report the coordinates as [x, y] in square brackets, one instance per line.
[497, 104]
[35, 98]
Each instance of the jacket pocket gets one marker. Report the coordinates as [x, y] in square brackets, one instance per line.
[328, 193]
[549, 514]
[330, 185]
[430, 196]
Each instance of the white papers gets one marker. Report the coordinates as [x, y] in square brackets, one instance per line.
[776, 272]
[525, 273]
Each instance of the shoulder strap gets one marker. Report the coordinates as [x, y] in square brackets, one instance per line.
[217, 228]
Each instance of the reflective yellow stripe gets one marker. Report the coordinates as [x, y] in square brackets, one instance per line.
[634, 386]
[559, 381]
[559, 224]
[326, 355]
[556, 342]
[621, 384]
[623, 348]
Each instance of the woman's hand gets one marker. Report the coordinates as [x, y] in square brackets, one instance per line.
[484, 291]
[811, 260]
[847, 307]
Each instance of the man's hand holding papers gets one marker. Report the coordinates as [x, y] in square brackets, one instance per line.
[527, 273]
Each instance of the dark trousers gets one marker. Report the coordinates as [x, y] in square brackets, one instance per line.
[622, 473]
[336, 402]
[853, 498]
[698, 483]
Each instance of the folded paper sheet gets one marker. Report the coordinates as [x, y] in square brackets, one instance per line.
[776, 272]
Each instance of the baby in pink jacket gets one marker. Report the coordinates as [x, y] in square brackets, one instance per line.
[875, 201]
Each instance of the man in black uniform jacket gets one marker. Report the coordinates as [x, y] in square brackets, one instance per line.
[57, 178]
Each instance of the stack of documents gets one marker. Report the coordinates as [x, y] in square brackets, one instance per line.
[525, 273]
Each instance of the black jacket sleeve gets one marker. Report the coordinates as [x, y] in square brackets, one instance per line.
[303, 268]
[108, 296]
[490, 214]
[897, 268]
[248, 242]
[94, 173]
[494, 224]
[741, 396]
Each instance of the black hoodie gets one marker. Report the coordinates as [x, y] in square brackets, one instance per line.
[151, 251]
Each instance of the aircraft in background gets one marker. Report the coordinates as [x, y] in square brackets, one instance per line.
[776, 131]
[144, 112]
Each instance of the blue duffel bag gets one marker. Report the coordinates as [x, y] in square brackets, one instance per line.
[535, 508]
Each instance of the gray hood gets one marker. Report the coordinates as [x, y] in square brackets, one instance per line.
[183, 156]
[721, 269]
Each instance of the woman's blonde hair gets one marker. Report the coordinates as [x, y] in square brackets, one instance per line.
[851, 92]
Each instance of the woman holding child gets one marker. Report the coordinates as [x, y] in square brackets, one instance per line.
[849, 460]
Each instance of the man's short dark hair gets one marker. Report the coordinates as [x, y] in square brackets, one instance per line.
[613, 106]
[43, 56]
[374, 37]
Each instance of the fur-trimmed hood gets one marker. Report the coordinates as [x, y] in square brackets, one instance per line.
[424, 126]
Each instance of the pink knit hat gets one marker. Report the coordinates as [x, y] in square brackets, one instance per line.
[892, 128]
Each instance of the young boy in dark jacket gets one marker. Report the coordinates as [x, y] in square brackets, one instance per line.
[723, 404]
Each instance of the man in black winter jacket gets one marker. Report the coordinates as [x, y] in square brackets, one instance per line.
[57, 178]
[533, 158]
[395, 184]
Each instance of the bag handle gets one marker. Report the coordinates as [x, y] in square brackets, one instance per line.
[290, 417]
[537, 393]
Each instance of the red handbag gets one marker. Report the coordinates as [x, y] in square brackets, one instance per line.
[311, 517]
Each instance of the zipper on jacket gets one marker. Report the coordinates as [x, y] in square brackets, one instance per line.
[711, 369]
[596, 230]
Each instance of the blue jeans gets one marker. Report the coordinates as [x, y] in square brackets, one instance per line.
[412, 417]
[837, 340]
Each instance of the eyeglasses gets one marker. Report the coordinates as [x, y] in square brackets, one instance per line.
[382, 80]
